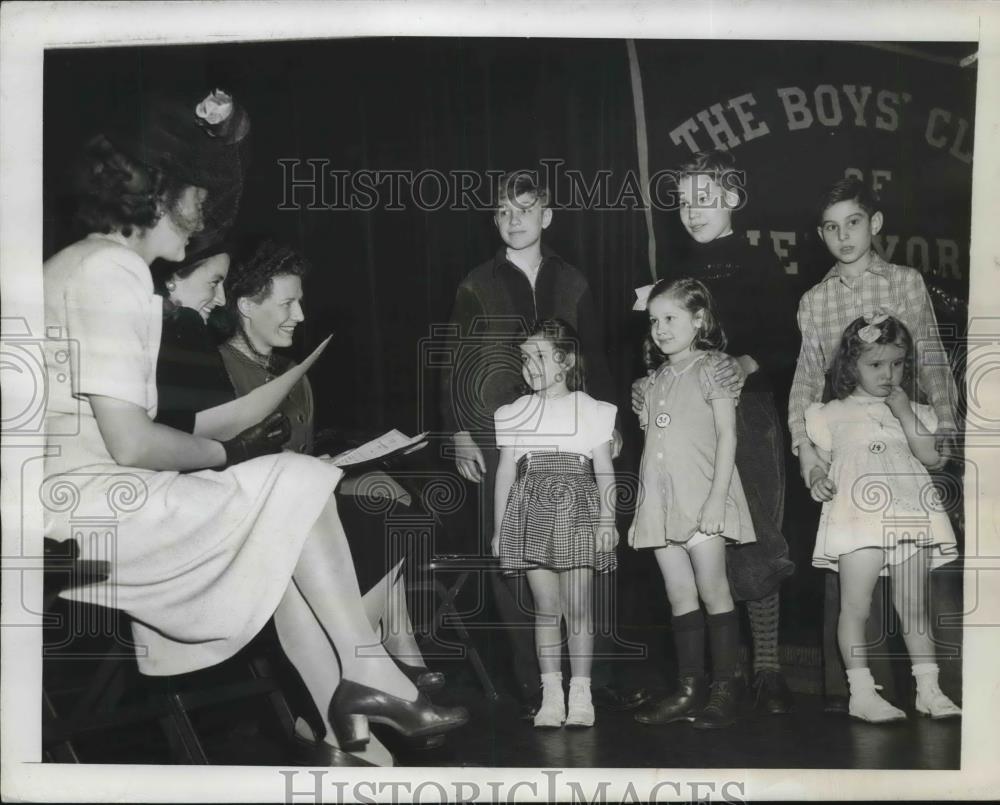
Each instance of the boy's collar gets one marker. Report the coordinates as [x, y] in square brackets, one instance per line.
[876, 265]
[500, 258]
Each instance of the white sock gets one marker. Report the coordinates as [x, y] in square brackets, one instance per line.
[926, 674]
[860, 679]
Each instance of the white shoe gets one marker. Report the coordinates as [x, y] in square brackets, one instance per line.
[552, 713]
[867, 705]
[932, 703]
[581, 708]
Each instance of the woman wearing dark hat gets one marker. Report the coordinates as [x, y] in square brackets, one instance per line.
[210, 538]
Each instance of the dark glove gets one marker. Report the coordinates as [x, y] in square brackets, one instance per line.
[264, 438]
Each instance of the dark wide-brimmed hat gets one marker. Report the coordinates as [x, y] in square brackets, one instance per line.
[199, 140]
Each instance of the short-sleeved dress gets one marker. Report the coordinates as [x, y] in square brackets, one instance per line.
[885, 497]
[553, 506]
[678, 459]
[199, 560]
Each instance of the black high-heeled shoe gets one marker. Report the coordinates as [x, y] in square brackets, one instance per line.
[353, 705]
[425, 679]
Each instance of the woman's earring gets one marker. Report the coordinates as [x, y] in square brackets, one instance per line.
[171, 285]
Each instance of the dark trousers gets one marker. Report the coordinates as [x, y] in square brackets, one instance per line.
[515, 605]
[756, 570]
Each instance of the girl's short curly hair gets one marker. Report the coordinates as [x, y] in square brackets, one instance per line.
[694, 297]
[843, 370]
[117, 193]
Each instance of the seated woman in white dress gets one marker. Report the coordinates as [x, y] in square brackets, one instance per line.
[204, 549]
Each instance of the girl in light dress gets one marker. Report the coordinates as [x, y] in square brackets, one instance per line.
[555, 510]
[692, 501]
[880, 513]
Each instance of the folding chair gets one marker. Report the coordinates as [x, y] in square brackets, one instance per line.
[101, 703]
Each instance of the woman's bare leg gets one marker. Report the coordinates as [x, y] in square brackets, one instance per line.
[326, 579]
[387, 611]
[309, 650]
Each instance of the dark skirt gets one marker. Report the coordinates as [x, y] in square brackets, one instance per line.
[551, 516]
[757, 569]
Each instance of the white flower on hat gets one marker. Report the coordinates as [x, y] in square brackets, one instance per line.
[215, 108]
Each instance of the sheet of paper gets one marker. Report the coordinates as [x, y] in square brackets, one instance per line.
[389, 442]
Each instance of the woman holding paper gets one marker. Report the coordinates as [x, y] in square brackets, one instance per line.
[192, 374]
[211, 535]
[264, 295]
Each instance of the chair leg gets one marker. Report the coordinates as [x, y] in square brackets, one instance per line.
[63, 751]
[181, 736]
[447, 608]
[260, 668]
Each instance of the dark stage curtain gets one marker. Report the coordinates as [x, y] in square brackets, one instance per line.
[383, 276]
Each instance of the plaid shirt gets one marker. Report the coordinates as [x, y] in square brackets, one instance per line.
[834, 302]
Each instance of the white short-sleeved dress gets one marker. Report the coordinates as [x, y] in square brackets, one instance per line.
[553, 506]
[199, 560]
[678, 458]
[885, 497]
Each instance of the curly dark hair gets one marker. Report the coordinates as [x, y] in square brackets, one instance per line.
[694, 297]
[843, 371]
[253, 276]
[564, 339]
[849, 189]
[198, 252]
[116, 192]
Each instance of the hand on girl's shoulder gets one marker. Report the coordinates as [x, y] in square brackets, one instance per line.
[711, 387]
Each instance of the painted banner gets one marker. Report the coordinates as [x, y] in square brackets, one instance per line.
[799, 115]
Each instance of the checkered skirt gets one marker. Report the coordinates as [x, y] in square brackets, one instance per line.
[551, 515]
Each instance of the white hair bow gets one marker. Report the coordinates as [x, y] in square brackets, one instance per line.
[872, 329]
[642, 297]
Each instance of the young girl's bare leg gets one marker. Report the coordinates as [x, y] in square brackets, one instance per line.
[545, 589]
[688, 625]
[859, 570]
[678, 578]
[576, 592]
[708, 559]
[910, 582]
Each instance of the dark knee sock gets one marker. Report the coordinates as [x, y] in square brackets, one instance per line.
[764, 626]
[689, 637]
[724, 639]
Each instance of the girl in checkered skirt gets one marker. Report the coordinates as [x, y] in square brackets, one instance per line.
[555, 509]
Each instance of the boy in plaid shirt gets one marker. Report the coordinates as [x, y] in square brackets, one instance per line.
[859, 284]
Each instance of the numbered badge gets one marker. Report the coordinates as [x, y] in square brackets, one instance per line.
[877, 447]
[662, 420]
